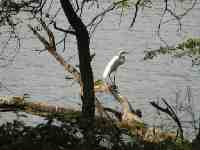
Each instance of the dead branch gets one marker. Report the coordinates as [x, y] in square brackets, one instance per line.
[169, 110]
[20, 103]
[51, 47]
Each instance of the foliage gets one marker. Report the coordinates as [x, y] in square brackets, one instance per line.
[130, 3]
[192, 44]
[55, 135]
[190, 47]
[125, 5]
[98, 82]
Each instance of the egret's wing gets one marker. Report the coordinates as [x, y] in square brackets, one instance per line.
[110, 66]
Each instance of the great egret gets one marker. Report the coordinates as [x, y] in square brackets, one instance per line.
[113, 64]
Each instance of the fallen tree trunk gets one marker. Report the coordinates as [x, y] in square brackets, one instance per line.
[130, 121]
[21, 103]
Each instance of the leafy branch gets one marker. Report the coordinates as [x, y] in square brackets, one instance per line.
[190, 47]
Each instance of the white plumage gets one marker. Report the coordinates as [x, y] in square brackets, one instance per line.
[114, 63]
[110, 67]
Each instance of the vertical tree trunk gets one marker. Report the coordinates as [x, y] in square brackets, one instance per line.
[83, 41]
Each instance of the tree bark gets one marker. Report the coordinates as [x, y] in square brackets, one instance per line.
[88, 97]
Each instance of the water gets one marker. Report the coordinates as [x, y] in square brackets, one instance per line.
[141, 81]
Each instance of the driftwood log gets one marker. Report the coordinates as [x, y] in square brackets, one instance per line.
[22, 103]
[128, 118]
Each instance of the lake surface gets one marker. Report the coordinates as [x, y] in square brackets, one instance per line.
[141, 81]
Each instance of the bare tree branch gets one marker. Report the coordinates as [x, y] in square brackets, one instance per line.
[169, 110]
[136, 13]
[63, 30]
[175, 17]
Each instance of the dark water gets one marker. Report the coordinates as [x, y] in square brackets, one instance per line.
[141, 81]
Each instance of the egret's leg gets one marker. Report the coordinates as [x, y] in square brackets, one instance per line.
[114, 79]
[114, 86]
[110, 78]
[115, 74]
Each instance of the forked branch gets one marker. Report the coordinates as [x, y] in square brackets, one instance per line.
[51, 47]
[170, 111]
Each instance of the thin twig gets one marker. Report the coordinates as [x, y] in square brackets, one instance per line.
[136, 13]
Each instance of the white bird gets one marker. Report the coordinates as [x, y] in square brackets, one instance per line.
[113, 64]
